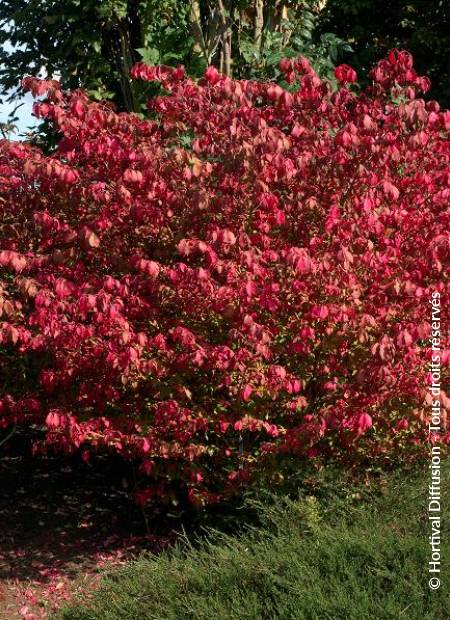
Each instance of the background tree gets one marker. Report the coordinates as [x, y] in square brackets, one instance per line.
[247, 38]
[93, 43]
[88, 43]
[372, 27]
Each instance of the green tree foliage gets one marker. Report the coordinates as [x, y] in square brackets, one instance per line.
[247, 38]
[88, 43]
[372, 27]
[94, 43]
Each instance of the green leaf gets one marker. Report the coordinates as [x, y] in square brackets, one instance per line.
[150, 55]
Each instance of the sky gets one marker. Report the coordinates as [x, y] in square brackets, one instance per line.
[26, 120]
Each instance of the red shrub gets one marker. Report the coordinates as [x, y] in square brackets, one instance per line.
[245, 274]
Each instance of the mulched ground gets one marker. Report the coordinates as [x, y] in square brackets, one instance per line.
[61, 521]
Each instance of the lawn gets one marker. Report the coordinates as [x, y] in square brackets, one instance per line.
[362, 555]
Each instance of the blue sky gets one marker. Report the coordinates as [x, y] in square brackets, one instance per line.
[26, 120]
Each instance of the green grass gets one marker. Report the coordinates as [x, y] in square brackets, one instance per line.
[306, 560]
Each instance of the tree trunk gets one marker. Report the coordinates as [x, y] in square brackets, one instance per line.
[135, 29]
[119, 54]
[226, 37]
[259, 23]
[197, 32]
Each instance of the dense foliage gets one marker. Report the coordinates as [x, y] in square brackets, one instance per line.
[244, 276]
